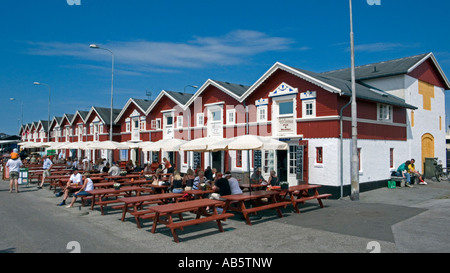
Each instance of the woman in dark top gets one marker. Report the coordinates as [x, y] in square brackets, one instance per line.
[273, 179]
[188, 179]
[176, 182]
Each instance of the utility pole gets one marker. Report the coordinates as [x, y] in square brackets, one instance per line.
[354, 195]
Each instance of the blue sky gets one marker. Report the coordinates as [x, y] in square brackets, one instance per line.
[167, 45]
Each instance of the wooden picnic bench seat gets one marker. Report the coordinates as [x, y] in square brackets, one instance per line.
[318, 197]
[215, 217]
[268, 206]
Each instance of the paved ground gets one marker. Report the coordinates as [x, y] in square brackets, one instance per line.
[401, 220]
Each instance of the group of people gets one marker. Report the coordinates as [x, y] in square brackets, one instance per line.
[408, 170]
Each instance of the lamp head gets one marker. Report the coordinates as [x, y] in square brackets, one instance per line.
[36, 83]
[93, 46]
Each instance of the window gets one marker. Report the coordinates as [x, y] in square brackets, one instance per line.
[169, 120]
[261, 113]
[319, 155]
[156, 124]
[292, 159]
[391, 157]
[216, 115]
[308, 108]
[200, 119]
[238, 158]
[268, 161]
[231, 116]
[359, 159]
[128, 126]
[286, 108]
[142, 125]
[180, 122]
[384, 112]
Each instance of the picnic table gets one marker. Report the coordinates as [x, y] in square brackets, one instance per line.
[253, 186]
[240, 199]
[300, 194]
[198, 206]
[136, 203]
[198, 194]
[101, 196]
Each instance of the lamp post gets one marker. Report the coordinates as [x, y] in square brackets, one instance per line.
[193, 86]
[354, 195]
[48, 118]
[21, 110]
[112, 92]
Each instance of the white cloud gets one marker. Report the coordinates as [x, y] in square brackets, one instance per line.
[380, 46]
[233, 48]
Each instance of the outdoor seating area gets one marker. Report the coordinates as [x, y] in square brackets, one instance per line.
[136, 198]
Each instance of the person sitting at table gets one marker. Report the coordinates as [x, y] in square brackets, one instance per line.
[209, 173]
[199, 180]
[88, 185]
[273, 179]
[114, 170]
[105, 168]
[156, 177]
[129, 167]
[188, 179]
[257, 178]
[221, 187]
[154, 166]
[75, 179]
[234, 184]
[176, 181]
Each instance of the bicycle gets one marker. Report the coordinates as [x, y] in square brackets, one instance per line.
[441, 173]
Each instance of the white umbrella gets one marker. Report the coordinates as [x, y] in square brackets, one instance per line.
[107, 145]
[170, 145]
[36, 145]
[250, 142]
[200, 144]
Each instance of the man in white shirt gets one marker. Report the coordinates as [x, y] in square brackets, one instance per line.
[234, 184]
[76, 179]
[114, 170]
[47, 166]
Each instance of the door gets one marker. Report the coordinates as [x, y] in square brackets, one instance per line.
[217, 161]
[282, 160]
[135, 128]
[427, 147]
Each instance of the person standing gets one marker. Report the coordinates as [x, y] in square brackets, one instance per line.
[13, 164]
[47, 166]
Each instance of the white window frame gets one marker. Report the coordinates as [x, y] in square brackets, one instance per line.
[231, 116]
[305, 109]
[259, 116]
[384, 112]
[179, 122]
[200, 119]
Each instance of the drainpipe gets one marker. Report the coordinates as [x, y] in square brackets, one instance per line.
[342, 145]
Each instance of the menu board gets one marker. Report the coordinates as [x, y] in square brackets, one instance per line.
[197, 159]
[299, 167]
[257, 158]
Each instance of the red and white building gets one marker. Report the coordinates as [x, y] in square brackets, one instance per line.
[400, 115]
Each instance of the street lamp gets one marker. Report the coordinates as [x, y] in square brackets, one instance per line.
[112, 91]
[48, 118]
[21, 110]
[193, 86]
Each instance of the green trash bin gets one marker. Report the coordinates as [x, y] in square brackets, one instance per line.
[392, 184]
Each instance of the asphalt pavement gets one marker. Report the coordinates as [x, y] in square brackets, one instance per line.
[401, 220]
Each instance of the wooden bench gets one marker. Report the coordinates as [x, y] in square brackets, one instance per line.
[268, 206]
[253, 196]
[215, 217]
[198, 205]
[299, 194]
